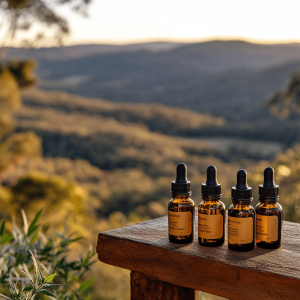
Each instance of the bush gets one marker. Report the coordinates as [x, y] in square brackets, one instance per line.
[52, 255]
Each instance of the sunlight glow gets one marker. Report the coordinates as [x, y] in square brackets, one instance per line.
[119, 22]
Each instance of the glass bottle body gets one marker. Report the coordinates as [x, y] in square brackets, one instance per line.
[181, 215]
[239, 213]
[268, 235]
[211, 229]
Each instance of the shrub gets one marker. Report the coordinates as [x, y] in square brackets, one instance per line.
[52, 255]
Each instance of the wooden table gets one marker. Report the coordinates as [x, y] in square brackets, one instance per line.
[162, 270]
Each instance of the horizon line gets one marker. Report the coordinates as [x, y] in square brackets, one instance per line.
[183, 41]
[170, 40]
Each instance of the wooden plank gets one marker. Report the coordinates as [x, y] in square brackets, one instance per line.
[148, 288]
[258, 274]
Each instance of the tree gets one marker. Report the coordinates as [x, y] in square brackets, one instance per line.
[20, 15]
[14, 148]
[14, 75]
[286, 99]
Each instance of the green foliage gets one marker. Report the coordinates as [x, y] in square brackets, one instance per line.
[36, 284]
[52, 256]
[287, 99]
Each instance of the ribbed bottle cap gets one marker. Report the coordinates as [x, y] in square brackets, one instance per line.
[211, 188]
[181, 185]
[268, 190]
[241, 192]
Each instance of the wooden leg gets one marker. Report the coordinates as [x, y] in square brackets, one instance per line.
[147, 288]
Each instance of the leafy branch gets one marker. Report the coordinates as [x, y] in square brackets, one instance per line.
[15, 260]
[21, 15]
[36, 284]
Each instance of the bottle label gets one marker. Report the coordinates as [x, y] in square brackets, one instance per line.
[210, 226]
[267, 228]
[180, 223]
[240, 230]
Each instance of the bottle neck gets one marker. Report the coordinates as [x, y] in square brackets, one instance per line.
[181, 197]
[211, 198]
[268, 200]
[241, 203]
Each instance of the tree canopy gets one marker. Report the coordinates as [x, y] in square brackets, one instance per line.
[21, 15]
[286, 99]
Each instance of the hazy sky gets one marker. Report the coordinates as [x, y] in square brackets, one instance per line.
[120, 21]
[123, 21]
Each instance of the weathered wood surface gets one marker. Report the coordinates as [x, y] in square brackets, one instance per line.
[258, 274]
[148, 288]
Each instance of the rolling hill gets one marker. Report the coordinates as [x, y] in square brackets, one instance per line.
[128, 152]
[109, 135]
[227, 79]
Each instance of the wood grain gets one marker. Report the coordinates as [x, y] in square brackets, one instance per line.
[148, 288]
[258, 274]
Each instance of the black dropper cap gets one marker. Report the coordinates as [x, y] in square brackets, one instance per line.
[211, 188]
[268, 190]
[241, 192]
[181, 185]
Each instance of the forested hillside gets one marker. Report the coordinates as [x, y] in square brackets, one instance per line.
[135, 146]
[230, 79]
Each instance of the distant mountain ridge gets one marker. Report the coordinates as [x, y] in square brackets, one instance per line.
[228, 79]
[79, 51]
[239, 54]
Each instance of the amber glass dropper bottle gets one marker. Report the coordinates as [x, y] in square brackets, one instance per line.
[181, 209]
[211, 212]
[241, 216]
[268, 213]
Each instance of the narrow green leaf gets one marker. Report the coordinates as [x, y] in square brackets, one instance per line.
[75, 240]
[45, 292]
[41, 274]
[2, 227]
[50, 278]
[88, 297]
[28, 288]
[34, 222]
[6, 237]
[35, 234]
[85, 285]
[50, 286]
[91, 263]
